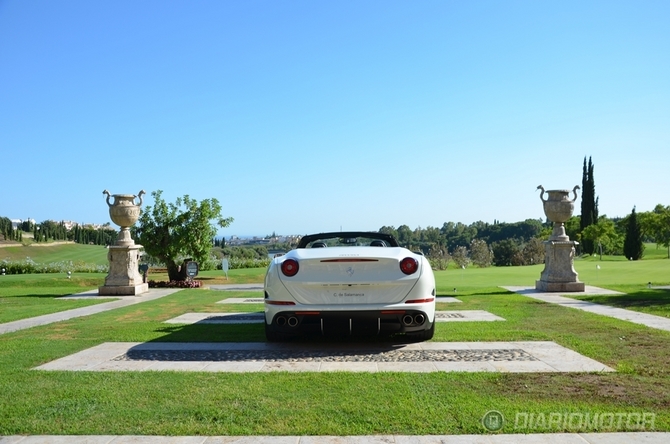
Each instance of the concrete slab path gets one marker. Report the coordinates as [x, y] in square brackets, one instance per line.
[259, 317]
[515, 357]
[84, 311]
[537, 438]
[649, 320]
[237, 287]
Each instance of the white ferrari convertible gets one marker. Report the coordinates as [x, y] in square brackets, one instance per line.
[349, 283]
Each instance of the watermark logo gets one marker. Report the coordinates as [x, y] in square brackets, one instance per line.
[584, 421]
[527, 422]
[493, 421]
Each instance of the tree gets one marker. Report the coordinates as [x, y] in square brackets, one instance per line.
[533, 252]
[505, 252]
[389, 230]
[460, 256]
[439, 257]
[172, 233]
[633, 245]
[480, 253]
[602, 234]
[405, 236]
[657, 224]
[589, 214]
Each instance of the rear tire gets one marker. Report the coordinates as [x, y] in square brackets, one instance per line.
[273, 336]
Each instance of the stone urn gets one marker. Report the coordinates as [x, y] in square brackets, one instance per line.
[558, 208]
[124, 212]
[559, 274]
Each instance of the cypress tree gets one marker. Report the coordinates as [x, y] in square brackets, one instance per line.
[633, 245]
[589, 214]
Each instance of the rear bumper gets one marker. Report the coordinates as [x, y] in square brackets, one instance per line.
[349, 322]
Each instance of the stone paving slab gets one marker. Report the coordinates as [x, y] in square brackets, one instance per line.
[237, 287]
[537, 438]
[466, 316]
[218, 318]
[653, 321]
[523, 356]
[448, 299]
[93, 294]
[84, 311]
[242, 301]
[259, 317]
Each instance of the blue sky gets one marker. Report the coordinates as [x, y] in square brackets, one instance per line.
[307, 116]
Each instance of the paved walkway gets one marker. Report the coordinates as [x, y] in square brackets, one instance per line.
[653, 321]
[548, 438]
[259, 317]
[237, 287]
[508, 357]
[119, 302]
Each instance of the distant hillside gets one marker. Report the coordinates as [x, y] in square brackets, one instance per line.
[56, 252]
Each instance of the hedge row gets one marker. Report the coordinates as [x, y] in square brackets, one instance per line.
[28, 266]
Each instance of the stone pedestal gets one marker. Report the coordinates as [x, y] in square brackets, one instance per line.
[559, 274]
[124, 278]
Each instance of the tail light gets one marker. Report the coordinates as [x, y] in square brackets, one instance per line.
[409, 265]
[290, 267]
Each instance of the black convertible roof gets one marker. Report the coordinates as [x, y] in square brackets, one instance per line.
[390, 240]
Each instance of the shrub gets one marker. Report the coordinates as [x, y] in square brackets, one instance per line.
[28, 266]
[175, 284]
[237, 263]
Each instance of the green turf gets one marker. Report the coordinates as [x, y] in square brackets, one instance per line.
[282, 403]
[26, 296]
[46, 253]
[37, 402]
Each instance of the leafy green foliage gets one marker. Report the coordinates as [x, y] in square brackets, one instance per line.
[7, 231]
[589, 214]
[439, 258]
[461, 256]
[504, 252]
[633, 246]
[29, 266]
[175, 284]
[604, 236]
[173, 232]
[656, 224]
[480, 253]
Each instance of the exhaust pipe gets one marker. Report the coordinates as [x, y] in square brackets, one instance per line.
[419, 319]
[292, 321]
[407, 319]
[281, 321]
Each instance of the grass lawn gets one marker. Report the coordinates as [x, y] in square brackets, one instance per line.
[46, 253]
[651, 301]
[192, 403]
[26, 296]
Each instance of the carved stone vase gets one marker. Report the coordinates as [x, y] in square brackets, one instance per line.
[559, 274]
[124, 213]
[558, 208]
[124, 277]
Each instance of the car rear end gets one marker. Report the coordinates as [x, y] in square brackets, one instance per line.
[349, 290]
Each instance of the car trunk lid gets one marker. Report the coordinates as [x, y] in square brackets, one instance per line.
[350, 275]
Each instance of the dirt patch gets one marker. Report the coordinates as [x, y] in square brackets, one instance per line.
[620, 388]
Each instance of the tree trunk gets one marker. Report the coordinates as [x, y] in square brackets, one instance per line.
[176, 272]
